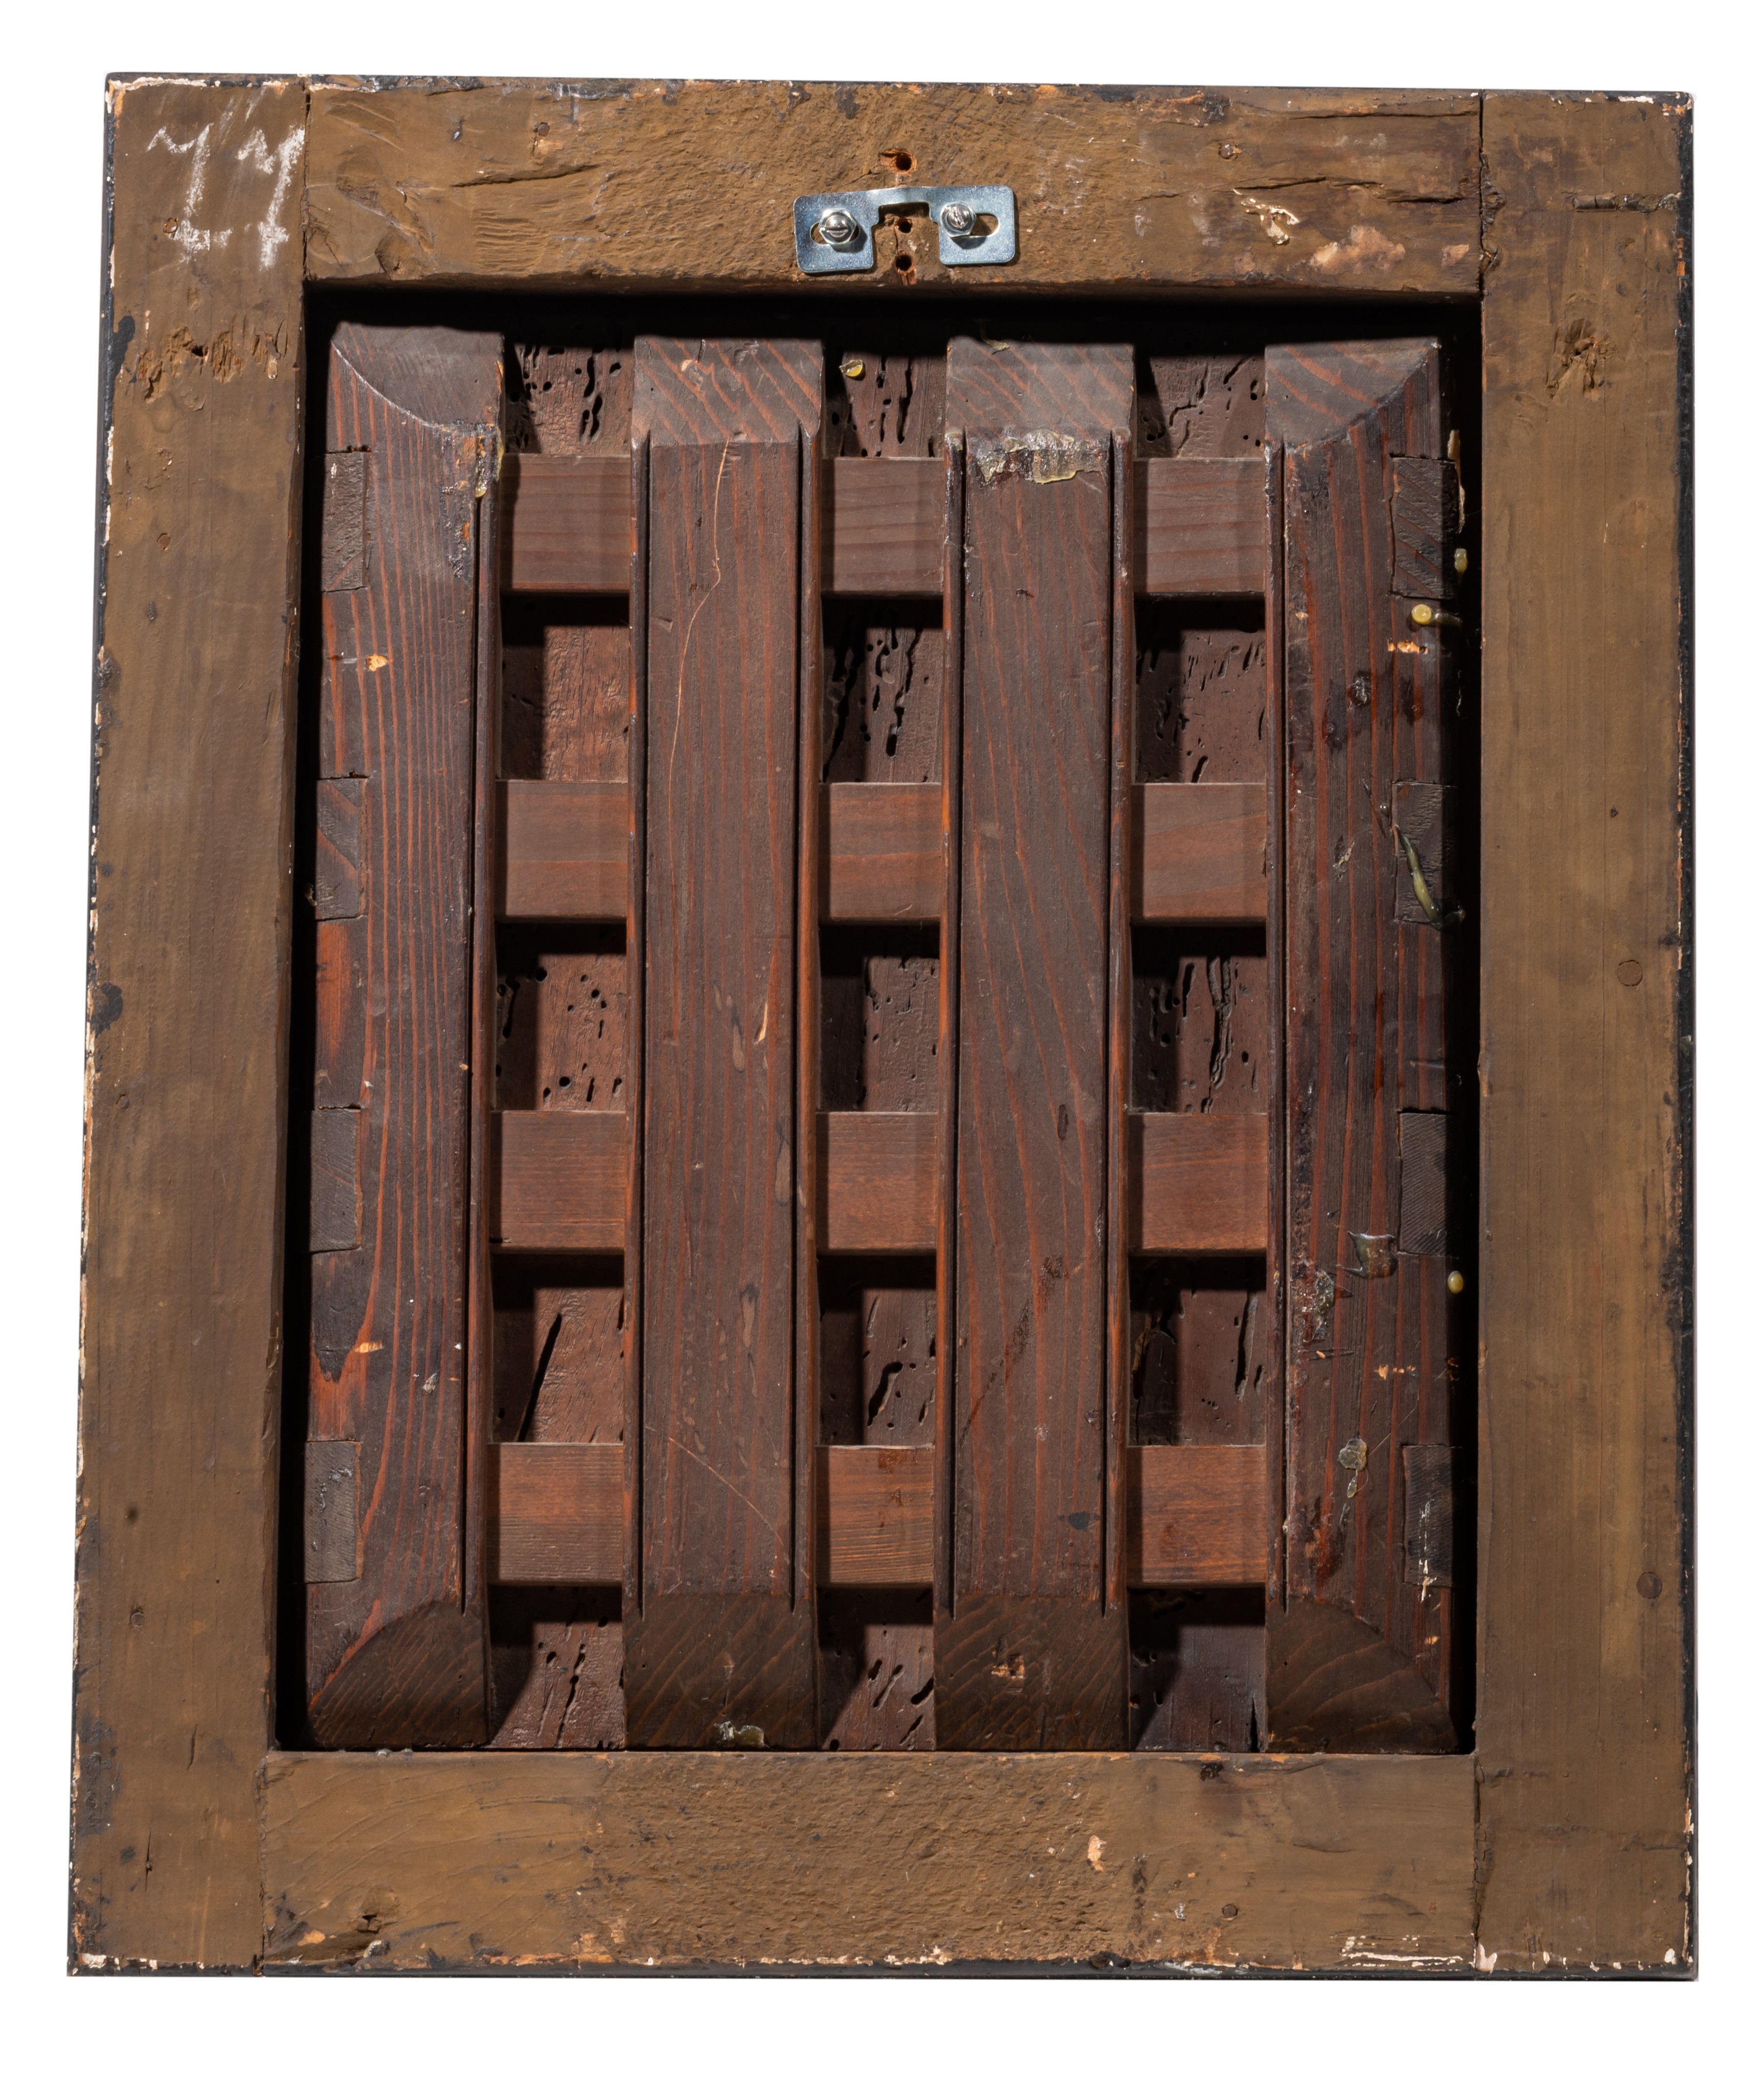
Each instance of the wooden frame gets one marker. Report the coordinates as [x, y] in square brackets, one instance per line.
[1564, 1843]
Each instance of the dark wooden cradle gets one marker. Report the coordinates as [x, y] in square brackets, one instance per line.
[898, 922]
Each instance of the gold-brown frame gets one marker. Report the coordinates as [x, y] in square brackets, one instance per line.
[1564, 1843]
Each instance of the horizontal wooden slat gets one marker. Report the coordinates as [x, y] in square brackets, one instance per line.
[567, 525]
[555, 1513]
[875, 1515]
[1199, 1184]
[564, 850]
[884, 527]
[1199, 526]
[878, 1179]
[1197, 1515]
[558, 1180]
[881, 851]
[1200, 853]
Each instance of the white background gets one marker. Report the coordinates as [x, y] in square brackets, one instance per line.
[200, 2036]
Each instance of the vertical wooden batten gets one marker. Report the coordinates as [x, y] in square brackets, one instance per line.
[721, 1651]
[186, 1117]
[1030, 1657]
[395, 1650]
[1584, 1298]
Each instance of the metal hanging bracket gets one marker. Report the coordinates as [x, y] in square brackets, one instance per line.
[834, 232]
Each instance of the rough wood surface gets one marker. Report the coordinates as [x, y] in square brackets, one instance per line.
[490, 1862]
[1196, 1513]
[875, 1515]
[192, 802]
[1199, 854]
[1197, 1184]
[878, 1193]
[557, 1181]
[1198, 525]
[1029, 1655]
[555, 1513]
[722, 1635]
[506, 181]
[1371, 1363]
[564, 850]
[396, 1653]
[1584, 1714]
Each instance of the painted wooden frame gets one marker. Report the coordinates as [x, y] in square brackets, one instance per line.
[1564, 1843]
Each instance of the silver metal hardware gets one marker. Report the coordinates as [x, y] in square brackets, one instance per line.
[834, 232]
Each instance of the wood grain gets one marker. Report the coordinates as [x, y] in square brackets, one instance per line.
[1199, 527]
[1584, 1713]
[1196, 1515]
[1200, 853]
[1029, 1656]
[558, 1179]
[504, 182]
[1193, 1514]
[875, 1515]
[719, 1640]
[555, 1513]
[181, 1319]
[882, 854]
[877, 1191]
[487, 1863]
[567, 522]
[1199, 1184]
[1371, 1365]
[396, 1655]
[564, 850]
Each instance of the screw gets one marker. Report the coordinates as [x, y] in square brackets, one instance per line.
[1461, 560]
[838, 229]
[1456, 1282]
[957, 217]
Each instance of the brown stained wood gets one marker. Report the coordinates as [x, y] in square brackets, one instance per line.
[1196, 1669]
[1372, 1365]
[885, 669]
[564, 850]
[875, 1509]
[567, 523]
[505, 182]
[558, 1657]
[560, 1335]
[1200, 853]
[1200, 699]
[1199, 527]
[1586, 1795]
[484, 1862]
[397, 1656]
[556, 1513]
[1198, 1183]
[1202, 1351]
[877, 1185]
[882, 852]
[1193, 1514]
[558, 1180]
[565, 689]
[1198, 858]
[181, 1332]
[720, 1637]
[1028, 1655]
[883, 524]
[1196, 1515]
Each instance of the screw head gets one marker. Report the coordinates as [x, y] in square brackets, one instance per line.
[957, 217]
[837, 228]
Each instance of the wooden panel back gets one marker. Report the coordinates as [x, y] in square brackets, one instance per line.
[1360, 1652]
[720, 1641]
[392, 1655]
[1028, 1657]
